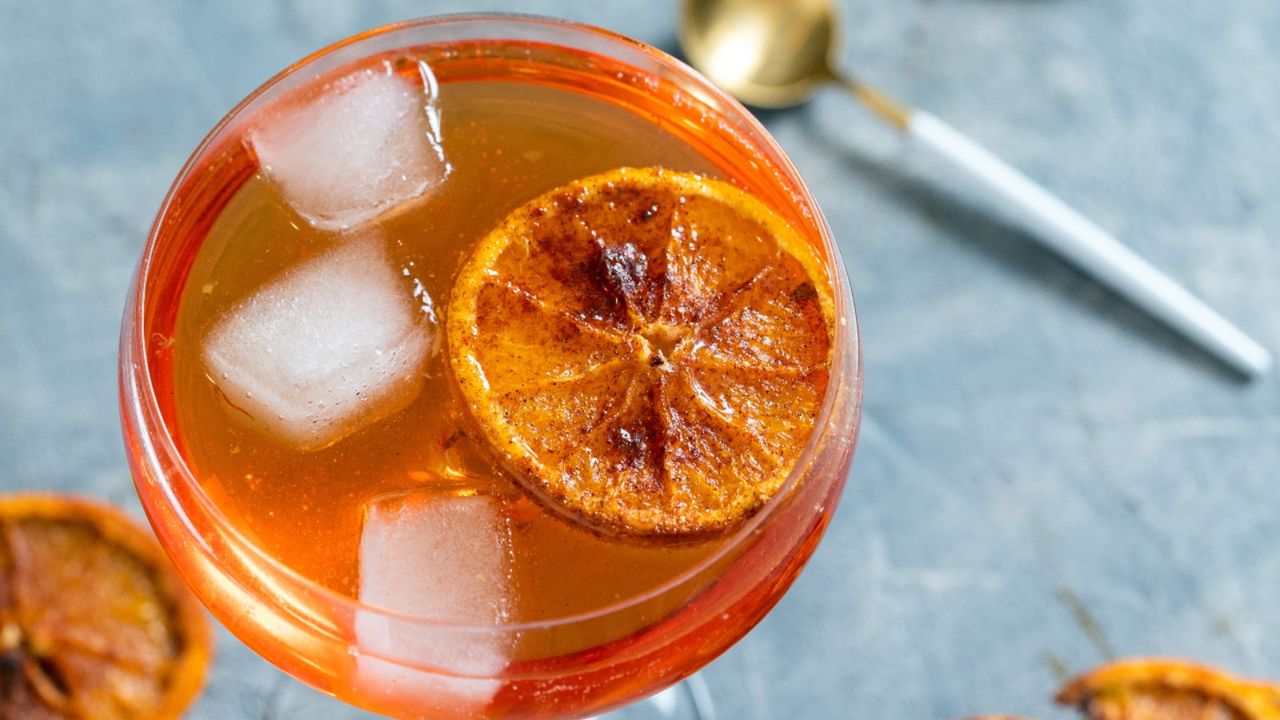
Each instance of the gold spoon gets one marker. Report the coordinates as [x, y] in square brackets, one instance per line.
[776, 53]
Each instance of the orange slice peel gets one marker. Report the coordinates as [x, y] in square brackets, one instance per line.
[1166, 689]
[94, 622]
[647, 350]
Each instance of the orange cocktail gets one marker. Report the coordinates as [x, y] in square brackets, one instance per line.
[334, 481]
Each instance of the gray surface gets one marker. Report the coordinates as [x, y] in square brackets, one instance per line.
[1028, 440]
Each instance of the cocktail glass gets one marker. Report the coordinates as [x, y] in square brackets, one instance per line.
[310, 631]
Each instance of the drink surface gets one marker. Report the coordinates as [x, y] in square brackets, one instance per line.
[506, 143]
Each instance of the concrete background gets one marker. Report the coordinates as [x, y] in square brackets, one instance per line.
[1045, 477]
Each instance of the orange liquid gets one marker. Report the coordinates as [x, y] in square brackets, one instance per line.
[509, 138]
[507, 143]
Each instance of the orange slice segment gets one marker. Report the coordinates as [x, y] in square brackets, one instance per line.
[647, 349]
[94, 622]
[1159, 689]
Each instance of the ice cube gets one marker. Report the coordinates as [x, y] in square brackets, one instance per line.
[446, 559]
[329, 347]
[369, 142]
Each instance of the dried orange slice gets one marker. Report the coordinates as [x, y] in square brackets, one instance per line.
[647, 349]
[94, 622]
[1160, 689]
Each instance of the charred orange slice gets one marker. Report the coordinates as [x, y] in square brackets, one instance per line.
[1159, 689]
[93, 621]
[648, 350]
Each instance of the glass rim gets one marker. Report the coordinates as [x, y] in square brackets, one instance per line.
[145, 410]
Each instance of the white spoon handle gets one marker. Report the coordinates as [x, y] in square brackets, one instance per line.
[1082, 242]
